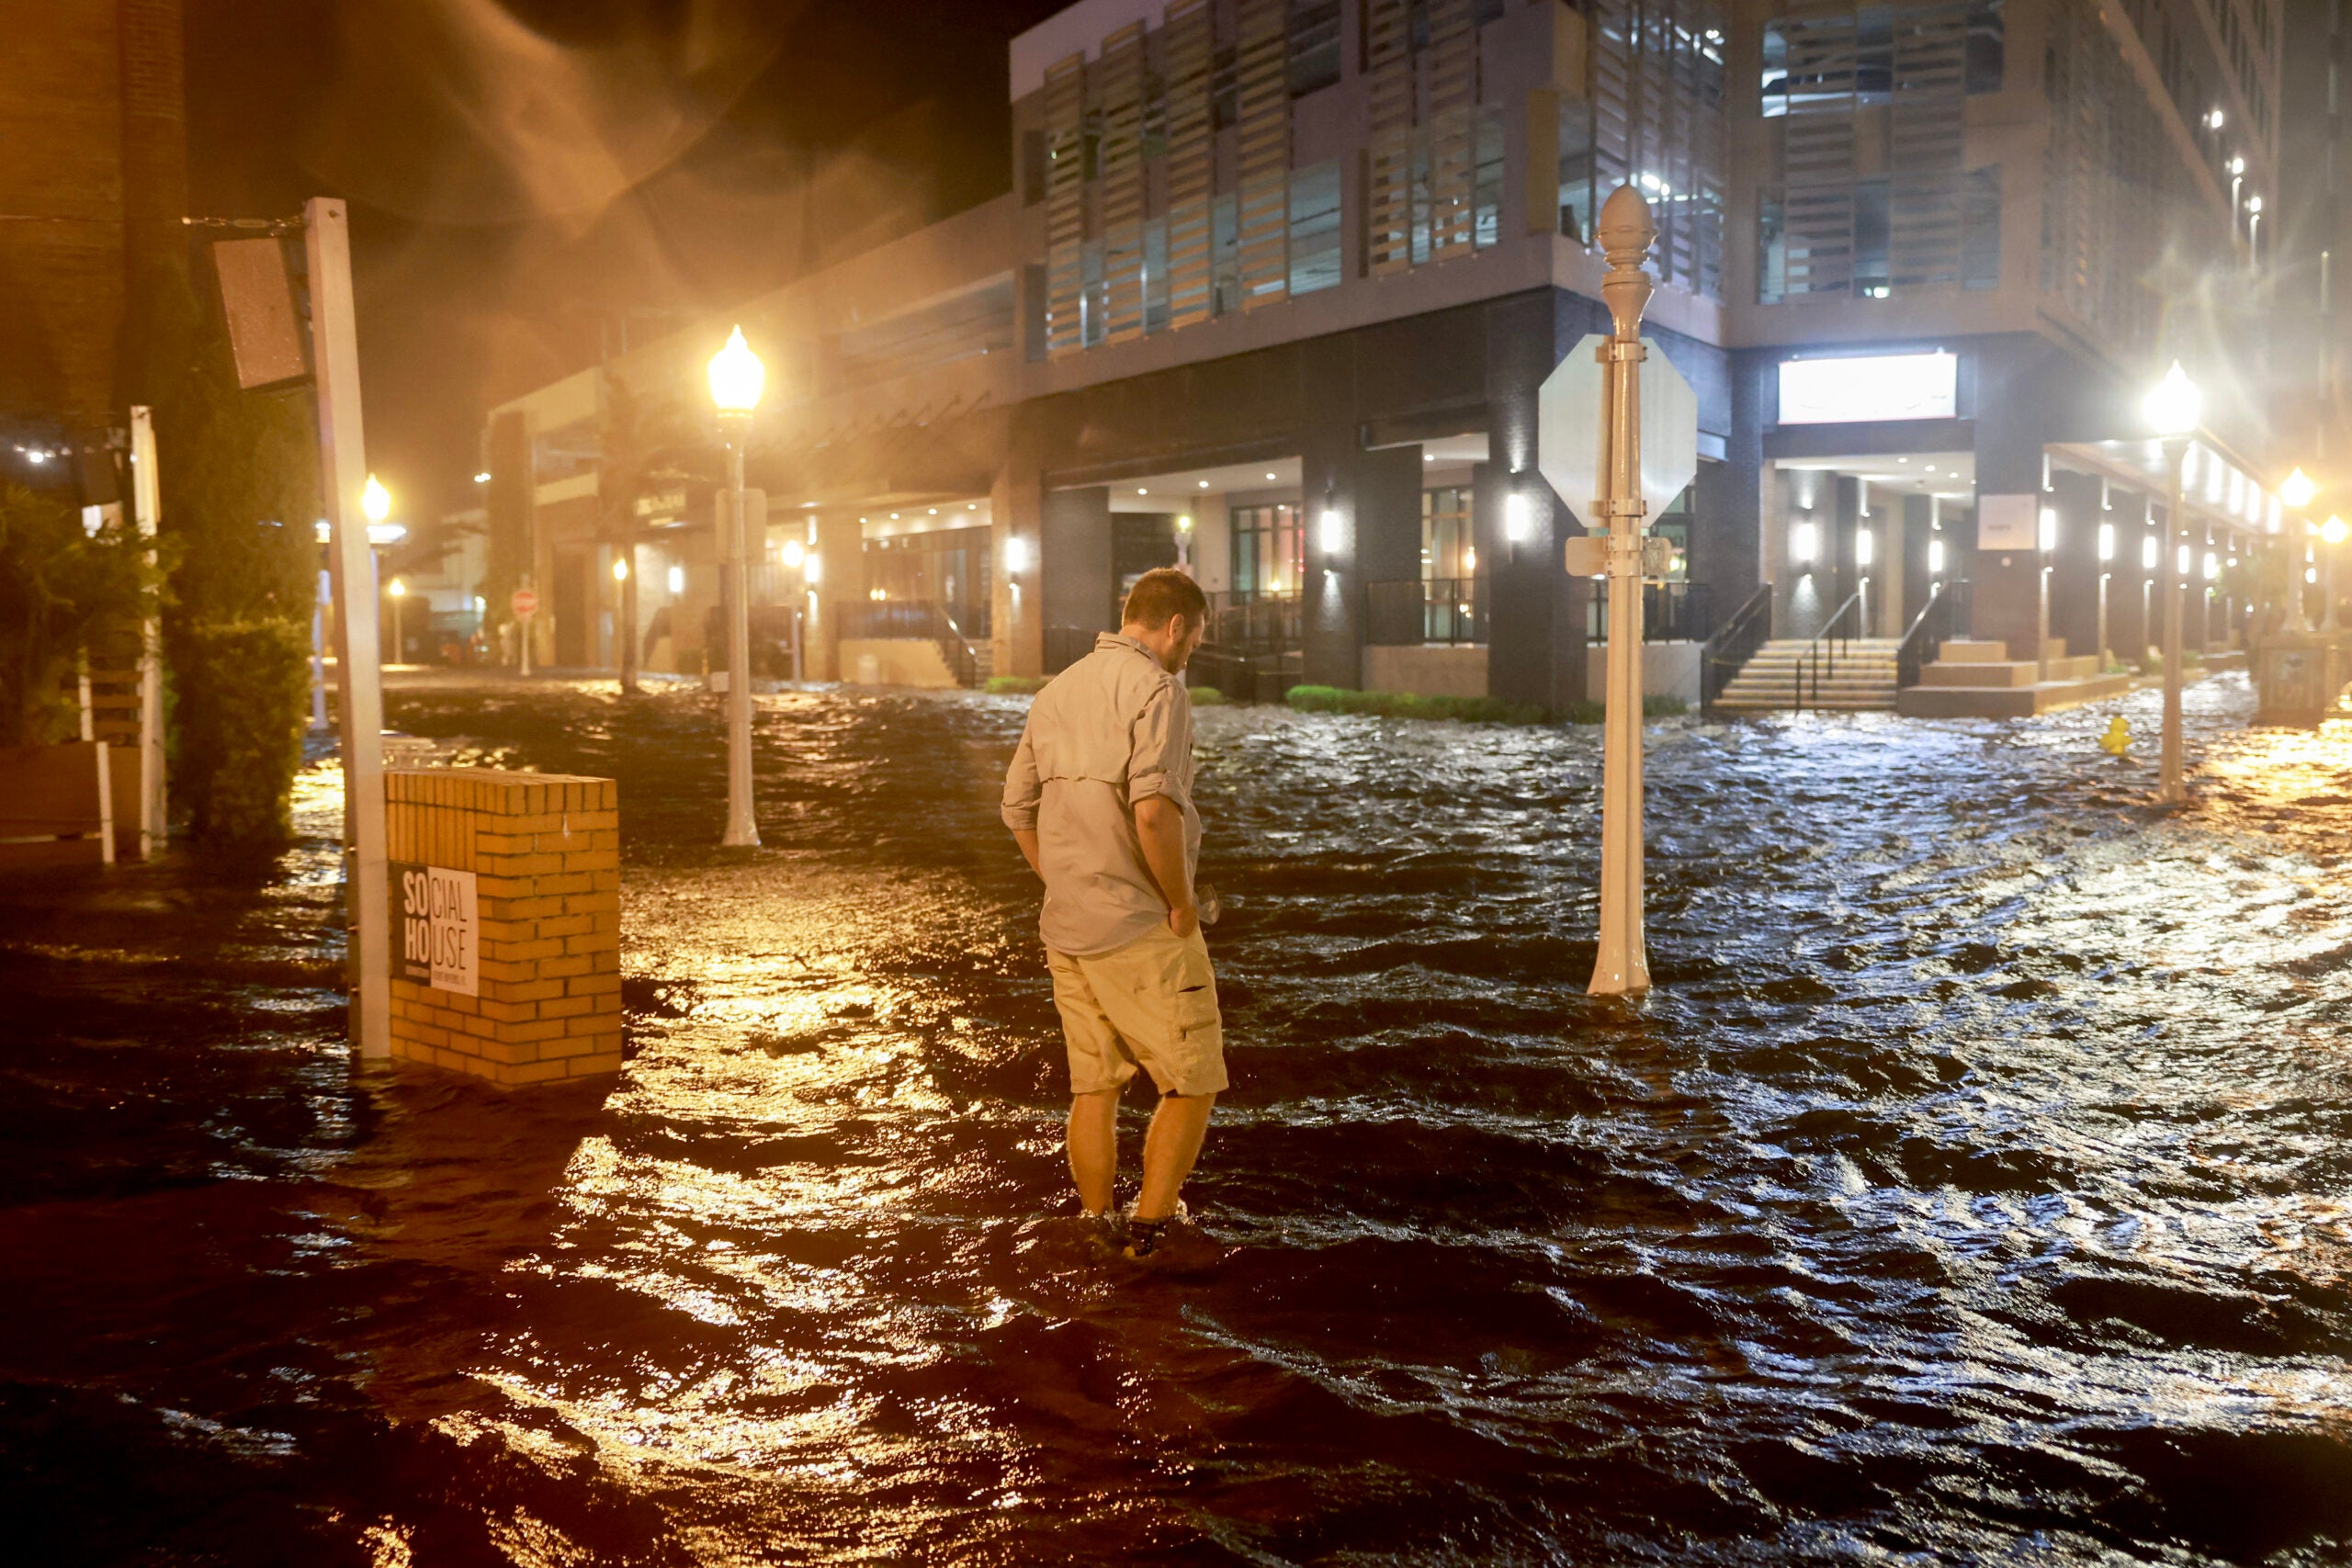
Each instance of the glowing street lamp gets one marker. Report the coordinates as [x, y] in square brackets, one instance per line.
[737, 379]
[2297, 490]
[2173, 408]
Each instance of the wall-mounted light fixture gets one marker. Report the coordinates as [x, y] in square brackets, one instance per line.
[1518, 518]
[2184, 560]
[1934, 557]
[677, 579]
[2149, 553]
[1865, 547]
[1804, 539]
[2106, 541]
[1016, 554]
[2049, 537]
[1330, 534]
[813, 571]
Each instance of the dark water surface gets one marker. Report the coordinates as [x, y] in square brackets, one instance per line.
[1973, 1187]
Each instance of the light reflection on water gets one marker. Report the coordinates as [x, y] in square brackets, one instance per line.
[1972, 1186]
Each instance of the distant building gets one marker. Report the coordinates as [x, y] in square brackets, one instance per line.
[1278, 280]
[93, 184]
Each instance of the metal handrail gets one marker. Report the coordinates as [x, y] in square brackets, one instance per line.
[1919, 644]
[1821, 645]
[1735, 645]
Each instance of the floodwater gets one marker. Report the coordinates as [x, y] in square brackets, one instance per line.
[1973, 1187]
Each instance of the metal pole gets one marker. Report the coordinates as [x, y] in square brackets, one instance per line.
[343, 468]
[628, 611]
[146, 499]
[743, 825]
[1626, 232]
[523, 625]
[2169, 788]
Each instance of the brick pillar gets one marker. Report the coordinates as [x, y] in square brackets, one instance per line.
[543, 854]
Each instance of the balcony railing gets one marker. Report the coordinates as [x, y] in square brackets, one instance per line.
[1412, 611]
[1254, 622]
[1671, 611]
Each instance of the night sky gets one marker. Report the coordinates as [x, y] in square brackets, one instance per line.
[520, 171]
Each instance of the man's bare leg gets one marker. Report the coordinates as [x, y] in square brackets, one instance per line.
[1095, 1146]
[1169, 1149]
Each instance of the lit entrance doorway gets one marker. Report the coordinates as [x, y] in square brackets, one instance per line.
[1856, 545]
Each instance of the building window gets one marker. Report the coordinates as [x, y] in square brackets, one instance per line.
[1449, 551]
[1314, 46]
[1314, 229]
[1980, 228]
[1225, 254]
[1268, 549]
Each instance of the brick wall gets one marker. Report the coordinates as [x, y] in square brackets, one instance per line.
[546, 852]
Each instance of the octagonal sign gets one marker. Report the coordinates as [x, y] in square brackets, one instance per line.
[1567, 430]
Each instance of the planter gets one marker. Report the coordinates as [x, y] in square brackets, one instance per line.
[58, 808]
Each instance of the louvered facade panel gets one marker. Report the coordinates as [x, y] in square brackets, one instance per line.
[1065, 204]
[1262, 126]
[1817, 153]
[2108, 183]
[1119, 86]
[1452, 65]
[1186, 53]
[1658, 122]
[1926, 129]
[1388, 153]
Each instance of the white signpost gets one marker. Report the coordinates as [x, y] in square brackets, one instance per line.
[1618, 446]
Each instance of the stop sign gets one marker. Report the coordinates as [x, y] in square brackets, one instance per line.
[1569, 434]
[524, 602]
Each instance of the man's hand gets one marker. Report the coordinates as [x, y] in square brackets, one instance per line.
[1027, 838]
[1160, 828]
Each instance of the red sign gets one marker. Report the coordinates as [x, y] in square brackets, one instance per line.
[525, 603]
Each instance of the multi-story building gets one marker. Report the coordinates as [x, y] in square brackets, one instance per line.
[1277, 282]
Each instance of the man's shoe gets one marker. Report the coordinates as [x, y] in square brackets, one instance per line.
[1144, 1237]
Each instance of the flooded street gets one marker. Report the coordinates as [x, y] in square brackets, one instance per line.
[1973, 1187]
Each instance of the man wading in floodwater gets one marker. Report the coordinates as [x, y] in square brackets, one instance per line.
[1099, 798]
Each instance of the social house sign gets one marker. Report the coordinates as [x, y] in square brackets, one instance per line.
[435, 927]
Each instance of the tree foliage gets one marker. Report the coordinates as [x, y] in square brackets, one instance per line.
[239, 485]
[61, 588]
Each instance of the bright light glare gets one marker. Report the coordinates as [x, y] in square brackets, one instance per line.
[375, 501]
[1934, 557]
[2048, 538]
[736, 376]
[2297, 490]
[2149, 553]
[397, 588]
[620, 568]
[795, 553]
[1865, 547]
[2334, 530]
[1518, 520]
[481, 478]
[1804, 539]
[2212, 566]
[1331, 533]
[1184, 524]
[813, 571]
[2174, 405]
[1016, 555]
[2106, 541]
[677, 579]
[2183, 559]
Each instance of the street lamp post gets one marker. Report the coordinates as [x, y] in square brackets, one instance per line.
[737, 379]
[399, 591]
[2331, 534]
[2173, 409]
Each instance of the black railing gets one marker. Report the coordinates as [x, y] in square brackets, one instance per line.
[1671, 611]
[1406, 612]
[911, 620]
[1727, 652]
[1249, 622]
[1818, 661]
[1945, 615]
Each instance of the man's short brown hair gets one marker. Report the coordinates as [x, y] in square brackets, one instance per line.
[1162, 593]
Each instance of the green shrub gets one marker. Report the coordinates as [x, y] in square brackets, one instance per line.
[2191, 660]
[244, 692]
[1207, 697]
[1586, 712]
[61, 589]
[1659, 705]
[1016, 686]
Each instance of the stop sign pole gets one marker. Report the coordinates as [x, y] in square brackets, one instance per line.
[1626, 232]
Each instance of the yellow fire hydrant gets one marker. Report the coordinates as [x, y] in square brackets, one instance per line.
[2118, 739]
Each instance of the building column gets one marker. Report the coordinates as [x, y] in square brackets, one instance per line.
[1375, 499]
[840, 585]
[2005, 598]
[1016, 621]
[2074, 563]
[1535, 645]
[1075, 577]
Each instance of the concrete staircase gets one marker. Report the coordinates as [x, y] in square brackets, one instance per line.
[1979, 680]
[1863, 680]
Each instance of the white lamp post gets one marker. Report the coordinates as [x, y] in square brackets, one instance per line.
[2173, 408]
[2332, 533]
[737, 379]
